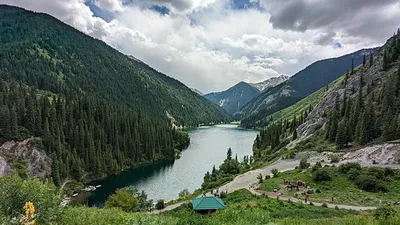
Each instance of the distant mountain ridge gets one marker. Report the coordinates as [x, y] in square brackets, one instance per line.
[300, 85]
[234, 98]
[271, 82]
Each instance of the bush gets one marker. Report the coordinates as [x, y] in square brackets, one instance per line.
[324, 205]
[260, 178]
[123, 200]
[317, 166]
[275, 172]
[267, 177]
[322, 174]
[385, 212]
[345, 168]
[160, 204]
[334, 158]
[304, 164]
[184, 193]
[353, 173]
[15, 192]
[223, 194]
[370, 183]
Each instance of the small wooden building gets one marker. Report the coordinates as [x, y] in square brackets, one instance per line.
[207, 205]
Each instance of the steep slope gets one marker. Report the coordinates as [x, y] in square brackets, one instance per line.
[234, 98]
[93, 110]
[40, 51]
[374, 86]
[298, 86]
[358, 109]
[271, 82]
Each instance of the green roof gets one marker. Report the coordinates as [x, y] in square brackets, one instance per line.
[205, 203]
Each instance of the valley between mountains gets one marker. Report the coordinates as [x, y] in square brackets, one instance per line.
[89, 135]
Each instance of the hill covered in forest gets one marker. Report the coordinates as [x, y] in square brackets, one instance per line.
[94, 110]
[358, 109]
[300, 85]
[42, 52]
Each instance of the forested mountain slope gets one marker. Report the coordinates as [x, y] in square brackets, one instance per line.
[40, 51]
[234, 98]
[364, 107]
[360, 108]
[95, 110]
[298, 86]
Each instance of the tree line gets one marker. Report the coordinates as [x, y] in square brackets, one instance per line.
[84, 135]
[373, 114]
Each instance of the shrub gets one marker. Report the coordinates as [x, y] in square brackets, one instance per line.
[322, 174]
[344, 168]
[123, 200]
[318, 191]
[304, 164]
[334, 158]
[183, 193]
[311, 203]
[385, 212]
[223, 194]
[324, 205]
[353, 173]
[267, 177]
[370, 183]
[15, 192]
[160, 204]
[336, 207]
[260, 178]
[275, 172]
[317, 166]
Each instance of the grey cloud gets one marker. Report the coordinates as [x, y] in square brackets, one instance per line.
[353, 17]
[325, 38]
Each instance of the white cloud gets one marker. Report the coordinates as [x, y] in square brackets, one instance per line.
[203, 43]
[110, 5]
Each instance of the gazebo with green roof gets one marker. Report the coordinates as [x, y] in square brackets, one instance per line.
[207, 205]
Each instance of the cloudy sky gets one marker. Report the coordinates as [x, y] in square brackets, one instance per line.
[213, 44]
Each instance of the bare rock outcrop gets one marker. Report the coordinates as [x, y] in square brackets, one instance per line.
[37, 162]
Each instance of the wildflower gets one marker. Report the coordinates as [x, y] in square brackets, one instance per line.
[29, 217]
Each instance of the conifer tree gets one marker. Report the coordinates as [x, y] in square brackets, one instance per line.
[364, 60]
[385, 61]
[371, 59]
[294, 135]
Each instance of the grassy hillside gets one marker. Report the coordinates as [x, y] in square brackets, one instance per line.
[243, 208]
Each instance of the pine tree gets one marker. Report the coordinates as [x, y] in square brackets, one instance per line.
[343, 134]
[385, 61]
[55, 174]
[294, 135]
[13, 124]
[229, 154]
[364, 60]
[371, 59]
[352, 66]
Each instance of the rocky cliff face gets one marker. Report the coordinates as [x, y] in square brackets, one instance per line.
[372, 75]
[37, 163]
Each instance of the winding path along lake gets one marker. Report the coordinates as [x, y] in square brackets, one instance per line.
[165, 179]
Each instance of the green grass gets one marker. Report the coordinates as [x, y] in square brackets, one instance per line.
[342, 189]
[245, 208]
[86, 215]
